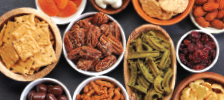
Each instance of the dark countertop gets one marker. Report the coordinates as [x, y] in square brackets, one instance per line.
[129, 20]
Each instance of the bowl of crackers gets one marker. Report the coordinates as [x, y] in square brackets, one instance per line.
[30, 44]
[94, 44]
[203, 86]
[100, 87]
[163, 12]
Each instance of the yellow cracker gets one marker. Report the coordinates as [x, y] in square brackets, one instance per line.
[8, 32]
[31, 72]
[22, 30]
[166, 15]
[24, 18]
[36, 20]
[45, 57]
[151, 8]
[23, 67]
[52, 43]
[2, 34]
[9, 55]
[26, 46]
[41, 34]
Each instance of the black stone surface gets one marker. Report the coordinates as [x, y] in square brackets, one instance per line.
[129, 20]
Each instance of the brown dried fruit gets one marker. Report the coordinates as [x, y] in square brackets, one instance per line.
[105, 63]
[74, 54]
[99, 19]
[93, 35]
[105, 46]
[85, 64]
[114, 30]
[90, 53]
[67, 42]
[116, 44]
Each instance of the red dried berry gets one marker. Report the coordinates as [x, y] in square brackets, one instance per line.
[190, 57]
[197, 57]
[212, 53]
[185, 51]
[183, 59]
[205, 38]
[195, 34]
[190, 64]
[210, 44]
[191, 47]
[187, 42]
[200, 45]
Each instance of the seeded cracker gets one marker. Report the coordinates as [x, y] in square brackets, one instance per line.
[41, 34]
[8, 32]
[22, 30]
[9, 55]
[24, 18]
[23, 67]
[2, 34]
[26, 46]
[45, 57]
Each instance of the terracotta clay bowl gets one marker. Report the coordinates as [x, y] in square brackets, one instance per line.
[173, 20]
[205, 75]
[110, 10]
[163, 34]
[57, 42]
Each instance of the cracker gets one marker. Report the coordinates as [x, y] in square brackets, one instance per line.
[8, 32]
[181, 6]
[24, 18]
[9, 55]
[26, 46]
[52, 42]
[23, 67]
[166, 15]
[2, 34]
[169, 5]
[45, 57]
[22, 30]
[41, 34]
[36, 20]
[151, 8]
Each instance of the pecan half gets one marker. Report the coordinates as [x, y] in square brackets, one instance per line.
[85, 64]
[105, 29]
[114, 30]
[99, 19]
[93, 35]
[68, 43]
[85, 23]
[105, 46]
[116, 44]
[105, 63]
[90, 53]
[74, 54]
[77, 37]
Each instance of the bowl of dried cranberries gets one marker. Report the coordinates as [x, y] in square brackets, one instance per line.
[197, 51]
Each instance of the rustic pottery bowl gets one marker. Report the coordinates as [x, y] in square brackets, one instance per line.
[66, 20]
[205, 75]
[207, 67]
[31, 85]
[173, 20]
[106, 78]
[57, 46]
[135, 34]
[110, 10]
[86, 15]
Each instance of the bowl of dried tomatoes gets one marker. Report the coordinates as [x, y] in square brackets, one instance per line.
[197, 51]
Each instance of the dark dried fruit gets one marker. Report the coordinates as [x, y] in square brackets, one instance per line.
[187, 42]
[191, 47]
[183, 59]
[105, 63]
[195, 34]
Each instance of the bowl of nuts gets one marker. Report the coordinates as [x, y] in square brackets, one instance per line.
[45, 89]
[197, 51]
[103, 87]
[94, 44]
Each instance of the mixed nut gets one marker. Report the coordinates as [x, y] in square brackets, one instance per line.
[93, 43]
[197, 50]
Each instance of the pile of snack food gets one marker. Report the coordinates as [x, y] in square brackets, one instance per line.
[203, 89]
[47, 91]
[100, 90]
[163, 9]
[197, 50]
[209, 13]
[26, 45]
[94, 43]
[60, 8]
[149, 62]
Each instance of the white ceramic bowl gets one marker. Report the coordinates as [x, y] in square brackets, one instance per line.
[106, 78]
[207, 67]
[88, 72]
[208, 29]
[66, 20]
[31, 85]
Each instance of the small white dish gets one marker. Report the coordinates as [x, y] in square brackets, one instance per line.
[66, 20]
[106, 78]
[119, 59]
[31, 85]
[208, 29]
[207, 67]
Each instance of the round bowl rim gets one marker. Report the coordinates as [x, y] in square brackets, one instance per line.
[207, 67]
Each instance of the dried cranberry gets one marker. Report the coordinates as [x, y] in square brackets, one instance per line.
[196, 57]
[190, 64]
[212, 53]
[181, 47]
[210, 44]
[185, 51]
[190, 57]
[195, 34]
[205, 53]
[191, 47]
[205, 38]
[183, 59]
[198, 67]
[200, 45]
[193, 40]
[187, 42]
